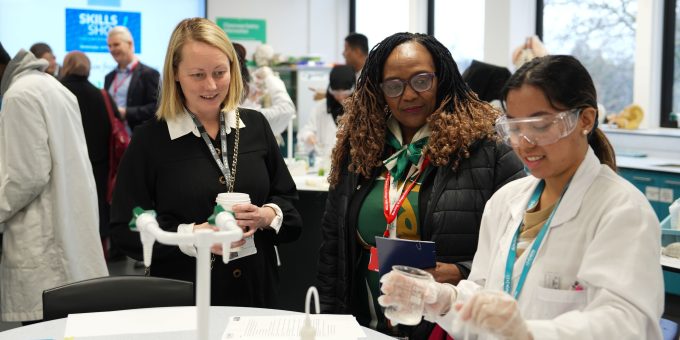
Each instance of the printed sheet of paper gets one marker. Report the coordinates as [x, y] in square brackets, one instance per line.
[328, 327]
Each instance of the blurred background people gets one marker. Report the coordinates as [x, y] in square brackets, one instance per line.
[267, 93]
[133, 85]
[96, 126]
[415, 133]
[44, 51]
[318, 134]
[355, 51]
[487, 81]
[48, 199]
[170, 167]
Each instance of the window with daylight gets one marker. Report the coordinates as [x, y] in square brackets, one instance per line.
[601, 34]
[378, 19]
[459, 25]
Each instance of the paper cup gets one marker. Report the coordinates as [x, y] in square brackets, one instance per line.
[228, 199]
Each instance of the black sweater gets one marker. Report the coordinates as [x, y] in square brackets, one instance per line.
[180, 180]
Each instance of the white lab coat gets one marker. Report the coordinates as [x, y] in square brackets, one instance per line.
[278, 107]
[604, 235]
[321, 125]
[48, 199]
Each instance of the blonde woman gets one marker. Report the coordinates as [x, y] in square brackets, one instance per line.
[200, 145]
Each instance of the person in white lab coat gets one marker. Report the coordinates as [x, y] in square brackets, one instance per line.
[318, 134]
[267, 93]
[593, 237]
[48, 197]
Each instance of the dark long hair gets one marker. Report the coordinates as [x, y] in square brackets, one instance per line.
[340, 78]
[567, 85]
[459, 120]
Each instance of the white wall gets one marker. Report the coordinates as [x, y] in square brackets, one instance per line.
[294, 27]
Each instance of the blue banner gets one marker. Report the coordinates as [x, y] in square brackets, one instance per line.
[86, 30]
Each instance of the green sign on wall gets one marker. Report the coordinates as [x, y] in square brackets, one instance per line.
[244, 29]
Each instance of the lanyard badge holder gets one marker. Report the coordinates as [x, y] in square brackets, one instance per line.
[391, 191]
[531, 256]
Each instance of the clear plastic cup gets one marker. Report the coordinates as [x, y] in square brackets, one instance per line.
[412, 312]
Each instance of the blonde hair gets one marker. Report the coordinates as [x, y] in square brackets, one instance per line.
[171, 101]
[76, 63]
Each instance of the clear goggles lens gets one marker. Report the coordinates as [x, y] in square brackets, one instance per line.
[343, 93]
[420, 82]
[540, 130]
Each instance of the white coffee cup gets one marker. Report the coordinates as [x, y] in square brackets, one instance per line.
[228, 199]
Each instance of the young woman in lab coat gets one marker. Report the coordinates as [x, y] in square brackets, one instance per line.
[570, 252]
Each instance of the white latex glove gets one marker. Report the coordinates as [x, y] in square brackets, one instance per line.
[437, 297]
[494, 312]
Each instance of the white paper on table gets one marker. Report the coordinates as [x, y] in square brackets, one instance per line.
[131, 321]
[328, 327]
[246, 249]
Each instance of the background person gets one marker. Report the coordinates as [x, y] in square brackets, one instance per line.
[319, 132]
[410, 109]
[169, 167]
[355, 52]
[48, 199]
[267, 93]
[133, 85]
[44, 51]
[576, 209]
[96, 126]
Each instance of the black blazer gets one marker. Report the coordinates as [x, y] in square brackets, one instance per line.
[142, 98]
[180, 180]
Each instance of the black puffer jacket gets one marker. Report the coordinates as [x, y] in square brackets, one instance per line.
[451, 203]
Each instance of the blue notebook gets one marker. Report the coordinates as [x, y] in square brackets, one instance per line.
[392, 251]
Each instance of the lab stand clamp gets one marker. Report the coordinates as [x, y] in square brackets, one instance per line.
[144, 221]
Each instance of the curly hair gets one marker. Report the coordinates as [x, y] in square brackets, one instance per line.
[459, 120]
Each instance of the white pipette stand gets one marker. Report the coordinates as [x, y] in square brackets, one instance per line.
[149, 231]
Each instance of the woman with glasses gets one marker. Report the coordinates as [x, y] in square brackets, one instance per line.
[570, 252]
[319, 132]
[415, 159]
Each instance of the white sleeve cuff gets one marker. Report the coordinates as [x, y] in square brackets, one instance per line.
[187, 248]
[278, 220]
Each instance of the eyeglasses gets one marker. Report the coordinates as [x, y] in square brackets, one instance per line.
[540, 130]
[395, 87]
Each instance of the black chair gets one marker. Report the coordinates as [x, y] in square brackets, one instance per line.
[115, 293]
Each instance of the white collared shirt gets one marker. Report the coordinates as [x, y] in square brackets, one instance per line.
[182, 124]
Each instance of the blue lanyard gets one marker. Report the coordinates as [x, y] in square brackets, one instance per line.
[512, 253]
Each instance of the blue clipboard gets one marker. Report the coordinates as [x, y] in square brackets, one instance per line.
[392, 251]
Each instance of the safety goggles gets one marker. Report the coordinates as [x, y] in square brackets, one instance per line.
[341, 93]
[538, 130]
[420, 83]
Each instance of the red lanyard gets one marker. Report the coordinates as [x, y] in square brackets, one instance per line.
[118, 84]
[391, 215]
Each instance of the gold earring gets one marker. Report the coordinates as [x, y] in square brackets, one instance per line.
[387, 110]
